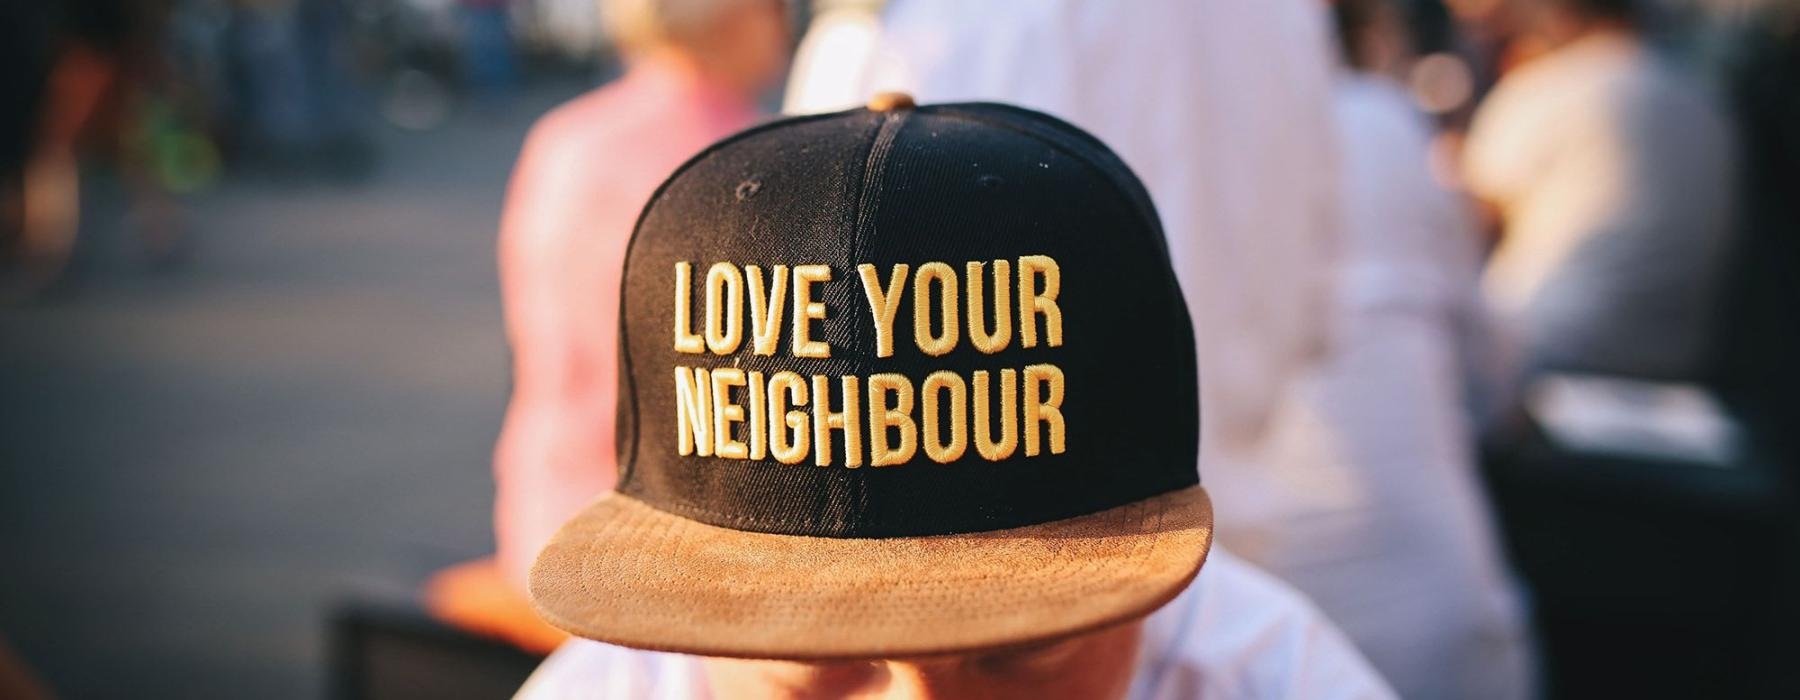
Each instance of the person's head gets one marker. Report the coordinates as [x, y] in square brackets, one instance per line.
[1373, 35]
[920, 417]
[1552, 23]
[1093, 666]
[740, 44]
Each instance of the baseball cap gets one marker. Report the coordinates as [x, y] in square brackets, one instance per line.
[902, 380]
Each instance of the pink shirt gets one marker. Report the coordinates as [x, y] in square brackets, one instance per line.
[585, 172]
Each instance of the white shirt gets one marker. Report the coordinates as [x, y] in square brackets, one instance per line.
[1341, 467]
[1614, 176]
[1234, 633]
[1369, 500]
[1220, 106]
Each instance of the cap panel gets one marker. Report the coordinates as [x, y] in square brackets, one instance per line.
[959, 191]
[785, 195]
[1089, 406]
[1072, 139]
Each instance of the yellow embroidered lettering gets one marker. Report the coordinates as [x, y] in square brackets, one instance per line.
[693, 412]
[789, 431]
[1034, 302]
[726, 411]
[978, 335]
[883, 417]
[935, 384]
[759, 417]
[945, 276]
[788, 417]
[806, 310]
[686, 340]
[824, 421]
[989, 448]
[1044, 409]
[883, 303]
[724, 317]
[766, 311]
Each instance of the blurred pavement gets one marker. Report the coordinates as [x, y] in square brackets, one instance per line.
[196, 463]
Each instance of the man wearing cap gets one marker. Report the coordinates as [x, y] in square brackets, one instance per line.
[909, 410]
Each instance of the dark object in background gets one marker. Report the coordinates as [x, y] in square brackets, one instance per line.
[26, 51]
[1758, 334]
[292, 101]
[25, 56]
[17, 682]
[398, 652]
[33, 37]
[1653, 578]
[489, 67]
[59, 68]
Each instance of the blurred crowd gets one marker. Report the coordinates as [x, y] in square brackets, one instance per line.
[1409, 231]
[168, 96]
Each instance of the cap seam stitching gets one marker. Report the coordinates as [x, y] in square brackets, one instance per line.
[868, 202]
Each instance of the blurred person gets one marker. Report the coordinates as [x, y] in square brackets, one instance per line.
[31, 46]
[62, 63]
[1222, 105]
[1079, 565]
[1611, 174]
[489, 66]
[289, 98]
[693, 71]
[1389, 531]
[1227, 109]
[344, 148]
[271, 101]
[1375, 42]
[836, 58]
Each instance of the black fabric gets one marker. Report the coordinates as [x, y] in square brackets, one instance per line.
[951, 184]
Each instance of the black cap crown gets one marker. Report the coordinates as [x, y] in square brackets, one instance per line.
[914, 321]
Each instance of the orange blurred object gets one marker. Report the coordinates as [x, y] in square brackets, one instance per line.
[476, 598]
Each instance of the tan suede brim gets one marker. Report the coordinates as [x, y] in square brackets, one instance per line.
[629, 574]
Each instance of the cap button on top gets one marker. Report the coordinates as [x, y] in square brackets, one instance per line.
[891, 101]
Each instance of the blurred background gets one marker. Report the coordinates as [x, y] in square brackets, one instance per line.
[253, 360]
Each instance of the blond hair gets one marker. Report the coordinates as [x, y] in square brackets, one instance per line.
[639, 24]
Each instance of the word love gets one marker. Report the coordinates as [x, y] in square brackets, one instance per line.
[960, 302]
